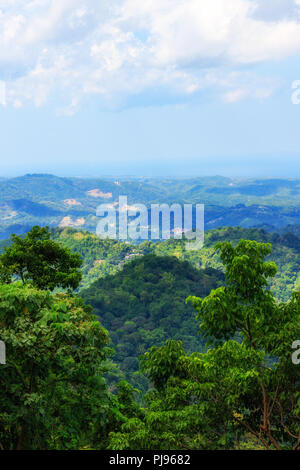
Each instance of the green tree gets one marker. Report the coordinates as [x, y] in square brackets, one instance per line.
[52, 391]
[42, 261]
[265, 393]
[176, 416]
[243, 392]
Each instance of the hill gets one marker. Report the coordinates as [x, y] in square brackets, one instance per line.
[41, 199]
[106, 257]
[144, 304]
[285, 253]
[100, 257]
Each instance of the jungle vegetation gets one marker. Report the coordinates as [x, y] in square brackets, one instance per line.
[234, 387]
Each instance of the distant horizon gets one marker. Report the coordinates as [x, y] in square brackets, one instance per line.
[150, 90]
[145, 176]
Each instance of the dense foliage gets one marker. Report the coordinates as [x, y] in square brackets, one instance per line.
[286, 254]
[234, 386]
[100, 258]
[52, 393]
[241, 393]
[143, 306]
[104, 257]
[36, 257]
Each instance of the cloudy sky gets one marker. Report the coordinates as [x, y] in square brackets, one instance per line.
[153, 87]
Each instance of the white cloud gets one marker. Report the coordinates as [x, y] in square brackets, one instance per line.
[75, 48]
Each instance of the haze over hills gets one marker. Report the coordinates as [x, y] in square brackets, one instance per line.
[41, 199]
[68, 205]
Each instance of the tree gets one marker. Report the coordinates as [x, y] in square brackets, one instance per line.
[176, 415]
[243, 392]
[42, 261]
[257, 383]
[52, 391]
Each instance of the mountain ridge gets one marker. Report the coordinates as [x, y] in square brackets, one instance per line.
[73, 201]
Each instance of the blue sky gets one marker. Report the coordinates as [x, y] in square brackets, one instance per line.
[156, 88]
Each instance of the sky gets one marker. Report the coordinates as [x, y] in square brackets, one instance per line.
[150, 88]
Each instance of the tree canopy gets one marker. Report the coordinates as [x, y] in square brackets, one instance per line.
[44, 262]
[52, 394]
[244, 391]
[234, 387]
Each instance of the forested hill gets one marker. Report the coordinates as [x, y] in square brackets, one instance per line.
[144, 304]
[100, 257]
[105, 257]
[285, 253]
[200, 398]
